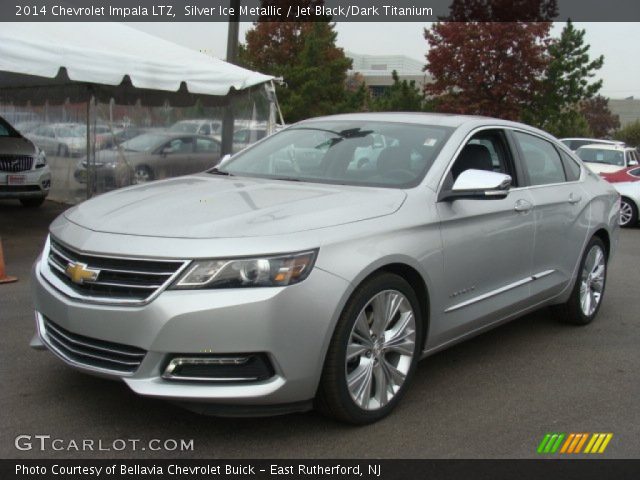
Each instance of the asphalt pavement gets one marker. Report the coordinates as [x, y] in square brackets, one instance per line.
[494, 396]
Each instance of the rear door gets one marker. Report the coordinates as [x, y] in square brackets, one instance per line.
[559, 210]
[487, 243]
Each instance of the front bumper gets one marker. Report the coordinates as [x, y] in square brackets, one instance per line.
[34, 184]
[291, 325]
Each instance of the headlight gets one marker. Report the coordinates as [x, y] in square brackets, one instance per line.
[41, 159]
[248, 272]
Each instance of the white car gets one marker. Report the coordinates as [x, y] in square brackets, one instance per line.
[608, 158]
[575, 143]
[197, 127]
[629, 202]
[24, 173]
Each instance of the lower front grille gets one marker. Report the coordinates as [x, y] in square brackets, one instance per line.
[90, 352]
[15, 163]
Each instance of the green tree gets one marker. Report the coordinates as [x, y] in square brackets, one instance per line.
[629, 134]
[567, 82]
[402, 96]
[305, 55]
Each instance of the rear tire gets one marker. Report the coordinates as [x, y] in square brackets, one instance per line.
[373, 352]
[628, 213]
[587, 294]
[32, 202]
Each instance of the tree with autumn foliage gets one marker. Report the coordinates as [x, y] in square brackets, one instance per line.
[305, 55]
[597, 114]
[483, 61]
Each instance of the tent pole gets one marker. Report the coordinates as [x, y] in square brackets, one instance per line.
[232, 57]
[88, 148]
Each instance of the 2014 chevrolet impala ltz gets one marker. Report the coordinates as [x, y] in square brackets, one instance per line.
[318, 266]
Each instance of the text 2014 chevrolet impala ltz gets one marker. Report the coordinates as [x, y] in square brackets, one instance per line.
[318, 266]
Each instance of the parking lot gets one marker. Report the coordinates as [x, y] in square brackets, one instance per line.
[494, 396]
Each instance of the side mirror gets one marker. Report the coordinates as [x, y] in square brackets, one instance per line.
[166, 150]
[633, 163]
[478, 184]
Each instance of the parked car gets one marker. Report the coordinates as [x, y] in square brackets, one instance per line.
[24, 173]
[629, 202]
[629, 174]
[246, 136]
[197, 127]
[150, 156]
[575, 143]
[60, 139]
[266, 285]
[608, 158]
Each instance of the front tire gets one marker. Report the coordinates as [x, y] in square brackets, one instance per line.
[373, 352]
[628, 213]
[586, 297]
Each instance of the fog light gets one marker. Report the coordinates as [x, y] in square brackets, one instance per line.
[231, 368]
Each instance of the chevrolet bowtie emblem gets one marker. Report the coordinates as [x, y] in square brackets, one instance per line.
[79, 273]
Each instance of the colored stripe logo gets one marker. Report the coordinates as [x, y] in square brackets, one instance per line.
[574, 443]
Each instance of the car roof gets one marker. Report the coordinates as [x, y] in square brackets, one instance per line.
[595, 140]
[606, 146]
[433, 119]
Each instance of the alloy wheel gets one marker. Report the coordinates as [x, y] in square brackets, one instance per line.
[380, 350]
[626, 213]
[592, 280]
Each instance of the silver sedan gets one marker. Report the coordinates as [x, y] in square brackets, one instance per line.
[296, 275]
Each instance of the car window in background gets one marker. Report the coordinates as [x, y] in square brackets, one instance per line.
[207, 145]
[571, 167]
[184, 127]
[635, 172]
[597, 155]
[540, 160]
[179, 145]
[143, 143]
[353, 153]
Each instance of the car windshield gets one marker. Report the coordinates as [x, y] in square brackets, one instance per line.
[381, 154]
[184, 127]
[597, 155]
[143, 143]
[7, 130]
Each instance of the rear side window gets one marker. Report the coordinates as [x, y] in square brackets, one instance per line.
[635, 172]
[571, 167]
[540, 160]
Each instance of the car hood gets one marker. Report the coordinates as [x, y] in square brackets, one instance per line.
[207, 206]
[16, 146]
[602, 167]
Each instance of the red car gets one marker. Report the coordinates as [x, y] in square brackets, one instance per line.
[629, 174]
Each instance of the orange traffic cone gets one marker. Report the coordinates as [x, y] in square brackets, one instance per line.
[3, 276]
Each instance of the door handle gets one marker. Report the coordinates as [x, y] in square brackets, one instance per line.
[522, 206]
[573, 199]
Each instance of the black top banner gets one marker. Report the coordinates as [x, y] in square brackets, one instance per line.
[312, 10]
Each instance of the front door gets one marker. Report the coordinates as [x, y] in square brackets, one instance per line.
[487, 243]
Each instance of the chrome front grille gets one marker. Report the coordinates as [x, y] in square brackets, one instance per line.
[90, 352]
[15, 163]
[111, 280]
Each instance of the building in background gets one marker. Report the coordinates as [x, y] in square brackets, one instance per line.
[628, 109]
[376, 70]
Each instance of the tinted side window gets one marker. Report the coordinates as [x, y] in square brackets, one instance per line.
[635, 172]
[571, 167]
[540, 160]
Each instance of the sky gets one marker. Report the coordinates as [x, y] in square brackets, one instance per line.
[618, 42]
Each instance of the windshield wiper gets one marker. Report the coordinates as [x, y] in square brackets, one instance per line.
[217, 171]
[287, 179]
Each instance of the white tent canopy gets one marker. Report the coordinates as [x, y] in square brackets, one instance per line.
[109, 54]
